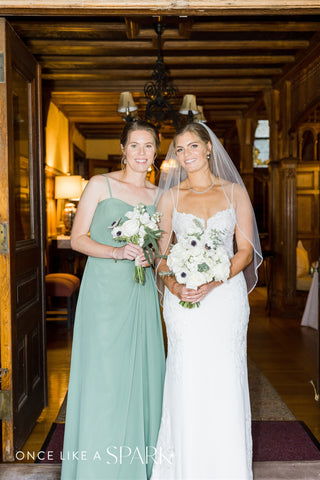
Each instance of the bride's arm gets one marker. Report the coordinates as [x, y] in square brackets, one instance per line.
[165, 207]
[243, 234]
[80, 241]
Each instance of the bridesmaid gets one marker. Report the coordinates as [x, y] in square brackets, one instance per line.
[117, 366]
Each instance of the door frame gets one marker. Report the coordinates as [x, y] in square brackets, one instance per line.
[8, 267]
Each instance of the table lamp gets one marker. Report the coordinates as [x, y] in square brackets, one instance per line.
[68, 187]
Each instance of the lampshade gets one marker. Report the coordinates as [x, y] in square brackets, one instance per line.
[126, 103]
[68, 186]
[83, 186]
[200, 116]
[189, 104]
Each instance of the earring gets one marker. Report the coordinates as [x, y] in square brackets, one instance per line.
[124, 160]
[208, 156]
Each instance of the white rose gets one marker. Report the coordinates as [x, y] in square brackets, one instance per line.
[221, 272]
[129, 214]
[142, 233]
[145, 218]
[195, 279]
[175, 263]
[152, 225]
[130, 227]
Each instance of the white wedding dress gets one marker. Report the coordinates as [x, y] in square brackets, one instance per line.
[205, 430]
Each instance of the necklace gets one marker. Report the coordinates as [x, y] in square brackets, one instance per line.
[204, 191]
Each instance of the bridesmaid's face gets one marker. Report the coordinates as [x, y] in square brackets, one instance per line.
[140, 150]
[192, 152]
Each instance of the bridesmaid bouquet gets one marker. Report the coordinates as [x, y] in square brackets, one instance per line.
[140, 229]
[198, 258]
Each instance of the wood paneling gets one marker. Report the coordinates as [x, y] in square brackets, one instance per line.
[308, 208]
[306, 211]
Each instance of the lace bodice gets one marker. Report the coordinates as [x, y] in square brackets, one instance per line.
[225, 220]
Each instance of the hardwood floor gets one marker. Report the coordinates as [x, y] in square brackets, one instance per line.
[284, 351]
[59, 342]
[287, 354]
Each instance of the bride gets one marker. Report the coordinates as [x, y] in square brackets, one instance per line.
[205, 430]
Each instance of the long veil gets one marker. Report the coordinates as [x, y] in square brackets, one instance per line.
[222, 167]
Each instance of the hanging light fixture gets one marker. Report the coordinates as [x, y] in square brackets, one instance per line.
[127, 106]
[159, 92]
[199, 117]
[189, 106]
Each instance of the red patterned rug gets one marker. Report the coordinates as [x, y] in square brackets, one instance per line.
[272, 441]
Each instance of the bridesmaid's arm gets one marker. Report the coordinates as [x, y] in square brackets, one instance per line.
[80, 241]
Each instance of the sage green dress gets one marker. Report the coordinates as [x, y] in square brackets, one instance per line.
[117, 366]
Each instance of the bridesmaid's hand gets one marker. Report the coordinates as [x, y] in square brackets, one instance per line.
[127, 252]
[141, 260]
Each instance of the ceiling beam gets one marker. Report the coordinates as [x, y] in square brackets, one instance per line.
[237, 44]
[256, 26]
[53, 61]
[101, 47]
[146, 74]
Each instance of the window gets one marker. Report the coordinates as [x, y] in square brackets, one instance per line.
[261, 144]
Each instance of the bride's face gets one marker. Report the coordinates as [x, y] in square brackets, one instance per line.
[192, 152]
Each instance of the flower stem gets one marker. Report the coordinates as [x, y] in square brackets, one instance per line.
[139, 275]
[189, 304]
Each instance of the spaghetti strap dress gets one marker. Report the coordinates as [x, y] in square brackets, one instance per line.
[117, 365]
[205, 432]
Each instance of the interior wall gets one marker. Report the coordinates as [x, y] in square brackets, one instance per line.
[100, 149]
[59, 161]
[57, 140]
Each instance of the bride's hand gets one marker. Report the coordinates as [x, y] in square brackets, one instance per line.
[204, 289]
[185, 294]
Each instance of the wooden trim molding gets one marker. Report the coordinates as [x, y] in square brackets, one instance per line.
[116, 7]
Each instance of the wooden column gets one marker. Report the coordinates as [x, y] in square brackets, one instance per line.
[288, 234]
[275, 234]
[245, 127]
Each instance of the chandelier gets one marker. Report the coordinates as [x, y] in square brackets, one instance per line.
[158, 93]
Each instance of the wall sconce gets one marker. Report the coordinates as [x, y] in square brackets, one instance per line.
[68, 187]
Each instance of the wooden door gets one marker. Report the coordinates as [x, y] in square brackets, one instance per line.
[22, 255]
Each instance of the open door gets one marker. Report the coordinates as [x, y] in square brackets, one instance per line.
[23, 360]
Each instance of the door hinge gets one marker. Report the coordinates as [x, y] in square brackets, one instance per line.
[1, 67]
[5, 404]
[3, 237]
[5, 399]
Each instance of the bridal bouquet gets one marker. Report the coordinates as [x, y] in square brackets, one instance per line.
[140, 229]
[198, 258]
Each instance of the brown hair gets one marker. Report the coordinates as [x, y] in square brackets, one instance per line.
[195, 128]
[139, 125]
